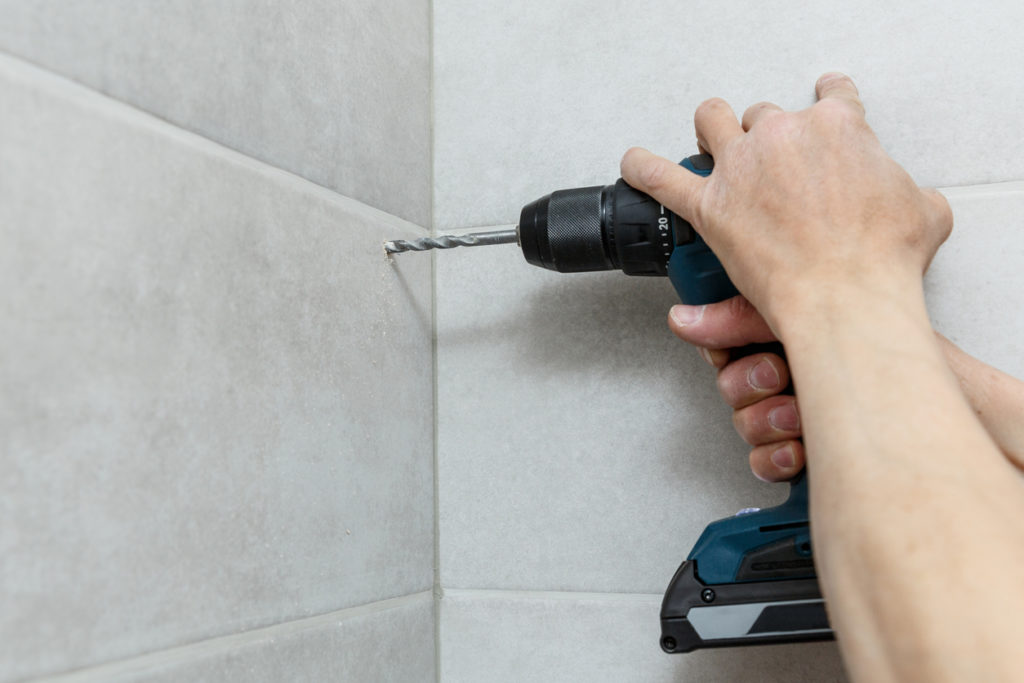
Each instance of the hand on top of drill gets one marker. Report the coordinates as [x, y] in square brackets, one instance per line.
[805, 210]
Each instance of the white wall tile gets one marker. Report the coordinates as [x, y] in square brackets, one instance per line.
[390, 641]
[215, 390]
[534, 97]
[582, 447]
[975, 285]
[546, 638]
[337, 92]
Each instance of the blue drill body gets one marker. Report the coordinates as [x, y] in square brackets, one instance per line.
[699, 278]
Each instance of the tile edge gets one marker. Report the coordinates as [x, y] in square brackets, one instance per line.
[32, 76]
[221, 644]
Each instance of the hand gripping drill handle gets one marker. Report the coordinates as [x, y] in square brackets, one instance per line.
[750, 579]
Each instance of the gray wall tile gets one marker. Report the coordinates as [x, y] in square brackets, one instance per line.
[215, 390]
[582, 447]
[975, 285]
[535, 97]
[337, 92]
[542, 638]
[384, 642]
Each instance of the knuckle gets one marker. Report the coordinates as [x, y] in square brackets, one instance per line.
[939, 216]
[834, 109]
[945, 228]
[778, 127]
[760, 107]
[651, 173]
[751, 424]
[719, 357]
[840, 114]
[729, 387]
[945, 213]
[741, 424]
[738, 308]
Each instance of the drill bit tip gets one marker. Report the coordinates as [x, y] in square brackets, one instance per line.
[475, 239]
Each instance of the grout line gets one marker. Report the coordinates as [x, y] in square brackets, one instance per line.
[431, 104]
[35, 77]
[484, 593]
[1006, 187]
[212, 646]
[438, 591]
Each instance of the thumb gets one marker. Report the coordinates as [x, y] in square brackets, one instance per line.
[723, 325]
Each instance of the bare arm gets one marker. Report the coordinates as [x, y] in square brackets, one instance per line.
[996, 398]
[917, 518]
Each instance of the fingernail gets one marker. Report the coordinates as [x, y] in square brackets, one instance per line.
[830, 76]
[706, 355]
[784, 457]
[785, 418]
[686, 315]
[763, 375]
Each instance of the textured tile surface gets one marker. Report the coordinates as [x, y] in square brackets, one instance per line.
[215, 391]
[337, 92]
[975, 285]
[540, 638]
[582, 447]
[392, 642]
[535, 97]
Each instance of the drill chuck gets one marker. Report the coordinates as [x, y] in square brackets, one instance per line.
[610, 227]
[563, 231]
[615, 227]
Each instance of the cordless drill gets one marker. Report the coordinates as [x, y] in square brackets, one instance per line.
[750, 578]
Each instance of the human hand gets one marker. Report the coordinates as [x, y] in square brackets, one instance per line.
[754, 390]
[766, 419]
[801, 204]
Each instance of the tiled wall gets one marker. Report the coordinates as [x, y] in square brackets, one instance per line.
[581, 447]
[530, 97]
[335, 92]
[216, 392]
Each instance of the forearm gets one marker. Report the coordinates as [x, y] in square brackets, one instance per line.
[996, 398]
[918, 521]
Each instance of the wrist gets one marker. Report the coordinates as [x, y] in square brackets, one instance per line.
[814, 308]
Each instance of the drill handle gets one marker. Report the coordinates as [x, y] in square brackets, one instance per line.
[699, 278]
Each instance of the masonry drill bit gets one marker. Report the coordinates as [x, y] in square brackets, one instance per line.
[475, 239]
